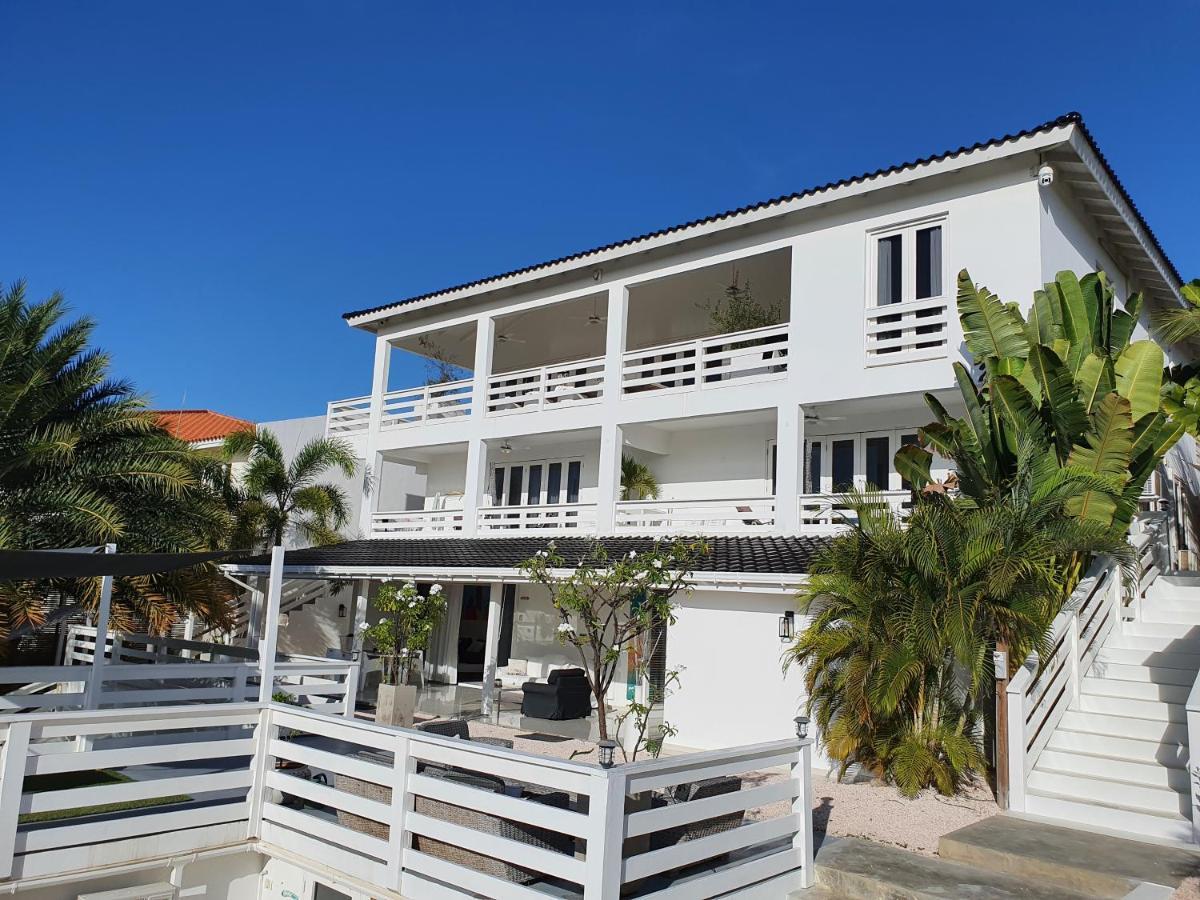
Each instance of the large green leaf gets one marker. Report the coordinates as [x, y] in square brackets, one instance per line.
[1015, 411]
[1098, 303]
[1060, 403]
[1077, 324]
[1123, 323]
[1094, 379]
[1139, 377]
[913, 462]
[1044, 324]
[990, 328]
[976, 423]
[1106, 451]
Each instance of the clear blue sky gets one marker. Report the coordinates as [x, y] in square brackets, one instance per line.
[216, 182]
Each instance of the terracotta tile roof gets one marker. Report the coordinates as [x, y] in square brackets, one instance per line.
[758, 554]
[193, 425]
[1072, 118]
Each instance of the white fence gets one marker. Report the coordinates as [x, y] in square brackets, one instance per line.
[1042, 691]
[744, 357]
[344, 418]
[546, 387]
[542, 518]
[738, 516]
[411, 406]
[828, 514]
[148, 670]
[401, 810]
[418, 521]
[908, 331]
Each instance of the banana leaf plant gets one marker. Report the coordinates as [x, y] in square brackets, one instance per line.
[1067, 378]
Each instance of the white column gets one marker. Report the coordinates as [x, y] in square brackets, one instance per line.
[789, 470]
[485, 340]
[475, 486]
[361, 600]
[614, 341]
[492, 647]
[370, 503]
[266, 647]
[609, 484]
[96, 676]
[371, 458]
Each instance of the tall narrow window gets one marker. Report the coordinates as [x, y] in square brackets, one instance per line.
[842, 464]
[929, 262]
[890, 270]
[657, 663]
[774, 466]
[878, 462]
[498, 486]
[573, 469]
[534, 495]
[516, 476]
[812, 472]
[553, 482]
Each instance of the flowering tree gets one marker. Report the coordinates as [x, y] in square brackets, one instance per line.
[408, 621]
[608, 605]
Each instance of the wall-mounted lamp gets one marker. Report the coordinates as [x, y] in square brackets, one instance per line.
[801, 727]
[341, 610]
[787, 626]
[606, 750]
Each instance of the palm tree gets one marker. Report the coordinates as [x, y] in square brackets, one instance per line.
[83, 461]
[1182, 323]
[281, 497]
[637, 481]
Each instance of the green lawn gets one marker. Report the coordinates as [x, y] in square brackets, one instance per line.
[62, 781]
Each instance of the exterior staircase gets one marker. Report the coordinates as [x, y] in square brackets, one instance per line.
[1118, 757]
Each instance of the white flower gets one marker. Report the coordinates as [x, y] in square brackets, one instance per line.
[363, 626]
[435, 590]
[658, 564]
[566, 628]
[633, 554]
[383, 621]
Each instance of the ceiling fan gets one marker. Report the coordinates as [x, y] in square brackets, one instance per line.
[817, 417]
[504, 338]
[595, 317]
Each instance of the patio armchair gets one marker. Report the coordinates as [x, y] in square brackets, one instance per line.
[566, 694]
[685, 793]
[457, 728]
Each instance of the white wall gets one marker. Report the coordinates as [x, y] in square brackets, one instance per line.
[445, 481]
[732, 689]
[1070, 240]
[713, 463]
[230, 877]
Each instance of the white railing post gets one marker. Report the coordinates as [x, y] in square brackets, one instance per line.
[1073, 660]
[1015, 698]
[266, 647]
[802, 806]
[404, 765]
[605, 836]
[96, 676]
[12, 781]
[260, 764]
[351, 696]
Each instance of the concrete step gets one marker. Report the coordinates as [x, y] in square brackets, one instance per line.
[1167, 629]
[1182, 642]
[1153, 710]
[1122, 726]
[1107, 792]
[1135, 690]
[1189, 662]
[864, 869]
[1147, 774]
[1098, 865]
[1181, 615]
[1165, 827]
[1151, 674]
[1167, 754]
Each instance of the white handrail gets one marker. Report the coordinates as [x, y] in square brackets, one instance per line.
[541, 518]
[735, 515]
[546, 387]
[737, 358]
[909, 331]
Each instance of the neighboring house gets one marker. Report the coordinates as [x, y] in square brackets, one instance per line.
[572, 363]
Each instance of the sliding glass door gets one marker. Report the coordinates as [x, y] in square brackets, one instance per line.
[835, 463]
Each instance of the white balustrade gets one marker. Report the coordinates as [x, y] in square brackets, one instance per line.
[420, 521]
[541, 518]
[829, 513]
[348, 417]
[744, 357]
[546, 387]
[908, 331]
[737, 516]
[431, 403]
[400, 811]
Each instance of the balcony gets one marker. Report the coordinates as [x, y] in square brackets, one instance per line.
[739, 358]
[546, 387]
[401, 409]
[824, 514]
[543, 519]
[420, 521]
[688, 517]
[908, 332]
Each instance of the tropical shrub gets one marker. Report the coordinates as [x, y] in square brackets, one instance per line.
[608, 605]
[637, 481]
[408, 620]
[740, 310]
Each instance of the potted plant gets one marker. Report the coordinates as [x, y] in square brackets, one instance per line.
[408, 620]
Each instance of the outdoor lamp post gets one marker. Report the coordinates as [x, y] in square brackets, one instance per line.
[801, 727]
[605, 749]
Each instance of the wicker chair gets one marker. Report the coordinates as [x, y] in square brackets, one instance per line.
[457, 728]
[710, 787]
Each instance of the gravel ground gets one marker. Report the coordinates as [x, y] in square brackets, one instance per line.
[864, 809]
[1189, 890]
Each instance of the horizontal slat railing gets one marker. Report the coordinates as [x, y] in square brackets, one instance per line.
[825, 513]
[420, 521]
[744, 515]
[344, 418]
[743, 357]
[423, 405]
[401, 810]
[908, 332]
[546, 387]
[541, 518]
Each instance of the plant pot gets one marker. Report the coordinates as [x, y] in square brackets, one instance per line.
[396, 704]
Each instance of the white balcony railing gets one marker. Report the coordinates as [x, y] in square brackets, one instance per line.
[422, 521]
[346, 418]
[825, 513]
[398, 811]
[543, 518]
[744, 357]
[740, 516]
[546, 387]
[431, 403]
[908, 331]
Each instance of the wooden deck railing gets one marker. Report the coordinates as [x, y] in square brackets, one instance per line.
[399, 810]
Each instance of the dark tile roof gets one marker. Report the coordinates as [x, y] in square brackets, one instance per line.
[751, 554]
[1071, 118]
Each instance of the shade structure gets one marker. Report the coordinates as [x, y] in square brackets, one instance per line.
[26, 565]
